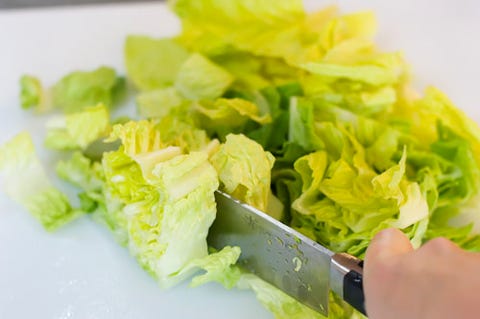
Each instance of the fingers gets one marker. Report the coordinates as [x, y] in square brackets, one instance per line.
[387, 244]
[380, 261]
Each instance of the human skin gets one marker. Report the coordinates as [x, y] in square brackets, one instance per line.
[436, 281]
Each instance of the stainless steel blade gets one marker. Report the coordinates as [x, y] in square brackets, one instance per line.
[275, 252]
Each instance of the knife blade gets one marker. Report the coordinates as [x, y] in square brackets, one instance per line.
[278, 254]
[285, 258]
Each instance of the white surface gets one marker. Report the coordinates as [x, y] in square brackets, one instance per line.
[80, 272]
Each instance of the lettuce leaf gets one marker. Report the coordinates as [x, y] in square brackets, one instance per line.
[25, 181]
[218, 266]
[33, 95]
[281, 29]
[153, 63]
[225, 116]
[244, 170]
[280, 304]
[78, 130]
[199, 78]
[81, 89]
[261, 27]
[344, 199]
[74, 92]
[159, 102]
[167, 205]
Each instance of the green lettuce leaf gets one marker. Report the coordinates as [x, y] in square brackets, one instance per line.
[86, 175]
[25, 181]
[344, 199]
[33, 95]
[218, 266]
[145, 137]
[244, 170]
[199, 78]
[256, 26]
[158, 103]
[78, 130]
[81, 89]
[153, 63]
[80, 171]
[280, 304]
[440, 109]
[281, 29]
[225, 116]
[184, 134]
[168, 203]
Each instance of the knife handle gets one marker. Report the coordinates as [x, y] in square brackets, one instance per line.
[347, 280]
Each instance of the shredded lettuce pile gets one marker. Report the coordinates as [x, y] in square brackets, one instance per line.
[297, 113]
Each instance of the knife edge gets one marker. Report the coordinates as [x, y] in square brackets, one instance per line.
[275, 252]
[285, 258]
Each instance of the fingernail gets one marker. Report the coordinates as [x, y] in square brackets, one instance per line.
[385, 235]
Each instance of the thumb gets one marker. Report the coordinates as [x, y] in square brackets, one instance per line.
[386, 244]
[380, 256]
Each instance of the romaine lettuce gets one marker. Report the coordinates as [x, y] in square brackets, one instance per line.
[78, 130]
[25, 181]
[298, 114]
[153, 63]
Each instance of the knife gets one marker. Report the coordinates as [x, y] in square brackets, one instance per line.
[278, 254]
[285, 258]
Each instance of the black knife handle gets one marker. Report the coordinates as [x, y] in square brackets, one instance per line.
[346, 279]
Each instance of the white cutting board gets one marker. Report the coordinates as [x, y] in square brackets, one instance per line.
[79, 272]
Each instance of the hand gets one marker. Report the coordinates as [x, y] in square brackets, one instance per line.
[436, 281]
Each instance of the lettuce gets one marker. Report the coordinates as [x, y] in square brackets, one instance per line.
[81, 89]
[244, 170]
[224, 116]
[218, 266]
[159, 102]
[32, 94]
[161, 191]
[153, 63]
[73, 92]
[25, 181]
[281, 29]
[199, 78]
[78, 130]
[261, 27]
[298, 114]
[162, 237]
[280, 304]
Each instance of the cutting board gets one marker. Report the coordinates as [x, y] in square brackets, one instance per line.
[80, 272]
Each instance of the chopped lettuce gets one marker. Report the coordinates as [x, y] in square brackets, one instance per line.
[219, 267]
[166, 205]
[280, 304]
[160, 206]
[159, 102]
[298, 114]
[280, 29]
[184, 186]
[244, 170]
[32, 94]
[153, 63]
[25, 181]
[78, 130]
[199, 78]
[74, 92]
[255, 26]
[88, 176]
[82, 89]
[224, 116]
